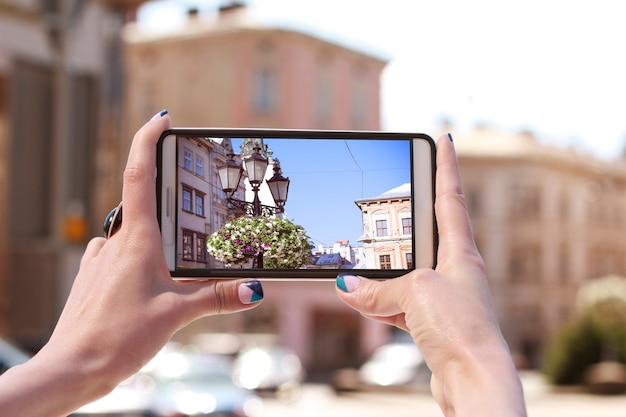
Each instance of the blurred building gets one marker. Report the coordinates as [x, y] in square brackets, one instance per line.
[59, 81]
[234, 71]
[230, 70]
[545, 219]
[341, 253]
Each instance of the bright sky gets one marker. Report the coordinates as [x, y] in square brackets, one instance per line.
[554, 67]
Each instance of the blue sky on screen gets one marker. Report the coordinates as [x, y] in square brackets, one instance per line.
[327, 176]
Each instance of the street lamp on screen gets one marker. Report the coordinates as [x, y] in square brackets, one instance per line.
[230, 175]
[279, 187]
[255, 165]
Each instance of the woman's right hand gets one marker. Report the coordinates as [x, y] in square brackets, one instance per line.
[448, 311]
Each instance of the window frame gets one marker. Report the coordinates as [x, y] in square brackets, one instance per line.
[201, 250]
[199, 170]
[187, 190]
[408, 257]
[199, 197]
[384, 261]
[382, 222]
[188, 160]
[408, 225]
[188, 247]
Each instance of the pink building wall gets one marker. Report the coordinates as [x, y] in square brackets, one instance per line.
[205, 76]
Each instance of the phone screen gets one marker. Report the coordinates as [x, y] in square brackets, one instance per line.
[295, 204]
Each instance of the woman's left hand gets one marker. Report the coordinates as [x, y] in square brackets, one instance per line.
[123, 307]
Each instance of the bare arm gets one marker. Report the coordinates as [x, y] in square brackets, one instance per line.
[448, 311]
[123, 306]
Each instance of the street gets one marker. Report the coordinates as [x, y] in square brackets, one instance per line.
[542, 401]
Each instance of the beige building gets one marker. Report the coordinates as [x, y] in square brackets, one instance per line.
[388, 229]
[340, 253]
[202, 205]
[59, 88]
[238, 72]
[545, 219]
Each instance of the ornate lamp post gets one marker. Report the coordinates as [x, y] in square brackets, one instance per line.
[279, 187]
[255, 165]
[230, 175]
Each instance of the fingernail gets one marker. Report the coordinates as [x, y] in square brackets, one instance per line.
[348, 283]
[250, 292]
[159, 114]
[113, 221]
[450, 136]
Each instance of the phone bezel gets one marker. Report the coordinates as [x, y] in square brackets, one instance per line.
[288, 274]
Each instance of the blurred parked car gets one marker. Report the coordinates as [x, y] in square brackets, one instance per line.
[179, 384]
[391, 365]
[11, 355]
[270, 369]
[132, 398]
[198, 384]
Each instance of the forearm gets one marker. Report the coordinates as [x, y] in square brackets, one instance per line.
[480, 382]
[49, 386]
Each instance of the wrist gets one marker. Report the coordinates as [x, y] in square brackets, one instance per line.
[480, 380]
[87, 371]
[60, 385]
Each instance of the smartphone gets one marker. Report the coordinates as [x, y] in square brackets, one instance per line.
[295, 204]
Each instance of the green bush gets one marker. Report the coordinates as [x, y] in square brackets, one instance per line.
[575, 348]
[598, 335]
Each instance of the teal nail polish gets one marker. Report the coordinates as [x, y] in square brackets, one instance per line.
[450, 137]
[347, 283]
[159, 114]
[341, 284]
[250, 292]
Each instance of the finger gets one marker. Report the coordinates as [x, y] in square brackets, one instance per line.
[397, 320]
[138, 195]
[212, 297]
[93, 249]
[455, 231]
[368, 297]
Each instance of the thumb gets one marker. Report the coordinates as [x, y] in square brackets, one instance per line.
[377, 300]
[213, 297]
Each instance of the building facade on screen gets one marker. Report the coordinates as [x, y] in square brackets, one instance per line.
[387, 229]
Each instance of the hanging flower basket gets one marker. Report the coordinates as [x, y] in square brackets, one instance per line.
[282, 243]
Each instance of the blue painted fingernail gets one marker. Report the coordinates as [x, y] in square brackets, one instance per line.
[450, 136]
[250, 292]
[113, 221]
[159, 114]
[347, 283]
